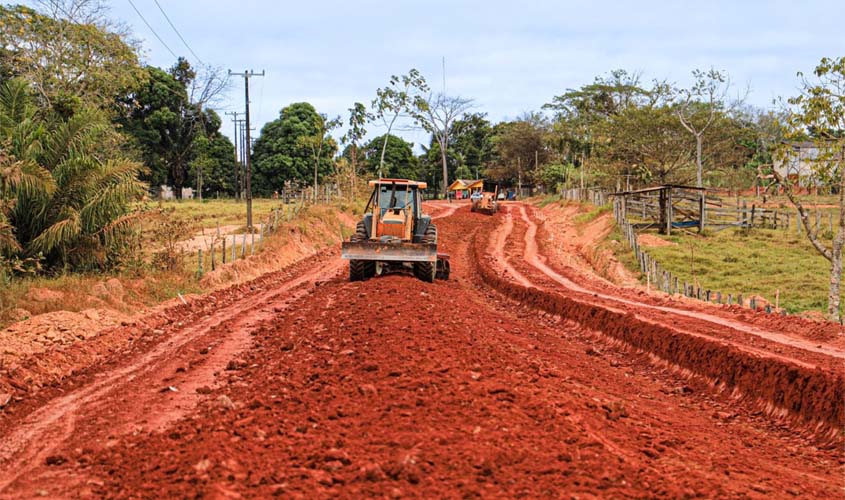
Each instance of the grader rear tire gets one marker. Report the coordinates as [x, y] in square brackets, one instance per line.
[361, 270]
[426, 271]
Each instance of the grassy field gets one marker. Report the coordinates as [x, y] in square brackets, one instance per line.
[143, 282]
[759, 261]
[211, 213]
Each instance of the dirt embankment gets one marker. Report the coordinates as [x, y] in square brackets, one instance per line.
[42, 350]
[586, 246]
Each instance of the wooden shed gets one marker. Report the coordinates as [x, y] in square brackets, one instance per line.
[464, 187]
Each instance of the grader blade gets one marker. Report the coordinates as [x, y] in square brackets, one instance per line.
[389, 252]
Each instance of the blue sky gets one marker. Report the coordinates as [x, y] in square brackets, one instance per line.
[509, 56]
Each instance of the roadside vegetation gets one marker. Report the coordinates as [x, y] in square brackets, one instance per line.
[88, 133]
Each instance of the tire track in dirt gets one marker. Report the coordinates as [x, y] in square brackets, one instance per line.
[759, 373]
[533, 257]
[398, 388]
[45, 431]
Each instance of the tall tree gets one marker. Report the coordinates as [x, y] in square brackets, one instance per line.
[819, 111]
[520, 145]
[397, 160]
[315, 143]
[281, 152]
[699, 106]
[71, 63]
[402, 97]
[358, 119]
[437, 115]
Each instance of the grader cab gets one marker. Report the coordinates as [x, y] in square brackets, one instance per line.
[395, 234]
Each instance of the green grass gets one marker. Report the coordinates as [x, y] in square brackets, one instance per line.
[759, 261]
[210, 213]
[592, 214]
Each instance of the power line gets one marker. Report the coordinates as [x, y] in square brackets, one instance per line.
[151, 29]
[177, 32]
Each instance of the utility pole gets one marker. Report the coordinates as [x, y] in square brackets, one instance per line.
[246, 74]
[242, 164]
[236, 142]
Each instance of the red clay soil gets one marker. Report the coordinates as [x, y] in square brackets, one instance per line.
[303, 385]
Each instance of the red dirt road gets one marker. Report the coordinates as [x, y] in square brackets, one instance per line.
[506, 381]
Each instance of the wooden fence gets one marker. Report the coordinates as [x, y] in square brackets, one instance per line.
[655, 274]
[227, 247]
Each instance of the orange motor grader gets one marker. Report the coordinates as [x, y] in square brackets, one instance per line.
[395, 234]
[487, 203]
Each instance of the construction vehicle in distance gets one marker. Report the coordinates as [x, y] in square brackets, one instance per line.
[395, 234]
[487, 203]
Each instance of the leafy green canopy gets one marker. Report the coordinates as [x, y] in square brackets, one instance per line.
[71, 65]
[285, 149]
[61, 204]
[176, 138]
[399, 159]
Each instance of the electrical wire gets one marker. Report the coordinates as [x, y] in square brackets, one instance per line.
[152, 30]
[177, 32]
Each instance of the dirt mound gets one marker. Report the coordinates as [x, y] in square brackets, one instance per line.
[292, 242]
[48, 347]
[815, 395]
[582, 248]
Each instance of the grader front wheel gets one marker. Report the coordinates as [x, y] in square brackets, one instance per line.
[361, 270]
[427, 271]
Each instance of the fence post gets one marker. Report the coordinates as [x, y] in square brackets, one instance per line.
[213, 266]
[740, 301]
[234, 246]
[252, 242]
[223, 255]
[199, 263]
[730, 299]
[243, 248]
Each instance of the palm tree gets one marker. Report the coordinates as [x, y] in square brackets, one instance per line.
[60, 201]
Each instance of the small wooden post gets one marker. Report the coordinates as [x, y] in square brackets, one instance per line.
[234, 246]
[777, 298]
[753, 207]
[199, 263]
[701, 212]
[252, 242]
[213, 266]
[276, 219]
[718, 297]
[740, 301]
[223, 255]
[675, 285]
[243, 247]
[730, 299]
[707, 295]
[261, 235]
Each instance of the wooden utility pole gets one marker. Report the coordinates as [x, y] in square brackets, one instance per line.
[236, 140]
[248, 144]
